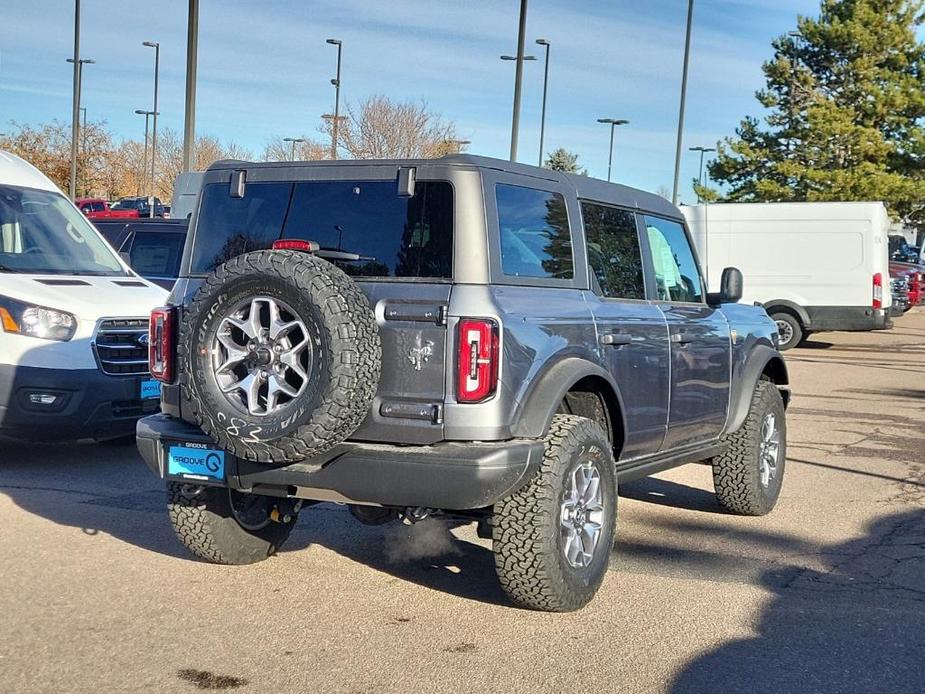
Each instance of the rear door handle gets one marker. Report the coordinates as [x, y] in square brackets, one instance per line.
[616, 339]
[682, 338]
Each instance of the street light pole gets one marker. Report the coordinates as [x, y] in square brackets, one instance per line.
[292, 141]
[614, 122]
[144, 164]
[75, 106]
[703, 151]
[80, 80]
[157, 62]
[544, 42]
[518, 79]
[83, 145]
[687, 61]
[189, 117]
[336, 83]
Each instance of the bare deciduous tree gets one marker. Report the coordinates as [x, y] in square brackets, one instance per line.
[379, 128]
[277, 149]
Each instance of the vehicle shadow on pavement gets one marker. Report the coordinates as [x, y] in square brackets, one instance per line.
[103, 489]
[856, 625]
[426, 554]
[653, 490]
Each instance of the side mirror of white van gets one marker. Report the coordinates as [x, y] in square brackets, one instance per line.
[730, 288]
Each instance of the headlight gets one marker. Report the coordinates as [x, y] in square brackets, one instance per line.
[36, 321]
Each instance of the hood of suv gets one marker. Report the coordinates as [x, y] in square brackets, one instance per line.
[87, 297]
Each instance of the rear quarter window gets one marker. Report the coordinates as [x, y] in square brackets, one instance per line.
[534, 230]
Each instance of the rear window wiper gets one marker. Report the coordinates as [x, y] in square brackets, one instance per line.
[332, 254]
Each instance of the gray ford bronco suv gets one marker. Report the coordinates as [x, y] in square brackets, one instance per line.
[462, 337]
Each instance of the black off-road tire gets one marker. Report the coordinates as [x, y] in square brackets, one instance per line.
[796, 327]
[347, 364]
[736, 473]
[527, 544]
[204, 521]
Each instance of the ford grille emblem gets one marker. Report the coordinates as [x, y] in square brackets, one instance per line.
[143, 339]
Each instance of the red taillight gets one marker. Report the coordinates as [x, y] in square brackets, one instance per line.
[477, 360]
[878, 291]
[295, 245]
[161, 353]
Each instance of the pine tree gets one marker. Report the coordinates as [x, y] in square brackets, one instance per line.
[562, 160]
[846, 108]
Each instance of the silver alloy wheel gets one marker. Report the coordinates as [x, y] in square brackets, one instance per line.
[262, 355]
[784, 331]
[581, 518]
[768, 449]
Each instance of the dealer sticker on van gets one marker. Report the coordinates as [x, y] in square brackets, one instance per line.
[196, 463]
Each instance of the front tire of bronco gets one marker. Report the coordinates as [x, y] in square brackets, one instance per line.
[223, 526]
[552, 539]
[749, 475]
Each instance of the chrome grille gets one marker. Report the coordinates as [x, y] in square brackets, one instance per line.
[121, 346]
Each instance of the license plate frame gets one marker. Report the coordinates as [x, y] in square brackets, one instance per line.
[197, 462]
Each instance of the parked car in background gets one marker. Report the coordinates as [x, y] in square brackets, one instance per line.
[913, 277]
[901, 251]
[97, 208]
[141, 205]
[815, 267]
[73, 320]
[152, 247]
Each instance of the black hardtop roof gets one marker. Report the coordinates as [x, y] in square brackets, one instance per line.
[586, 187]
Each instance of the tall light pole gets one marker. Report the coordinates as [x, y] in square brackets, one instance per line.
[157, 62]
[75, 105]
[687, 62]
[189, 116]
[703, 151]
[147, 115]
[293, 141]
[336, 83]
[544, 42]
[80, 80]
[614, 122]
[518, 78]
[83, 145]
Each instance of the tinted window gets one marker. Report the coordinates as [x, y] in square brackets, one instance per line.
[157, 254]
[613, 251]
[377, 232]
[677, 277]
[229, 227]
[99, 207]
[535, 238]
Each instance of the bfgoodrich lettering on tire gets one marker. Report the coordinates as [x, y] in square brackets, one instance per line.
[552, 539]
[280, 356]
[749, 475]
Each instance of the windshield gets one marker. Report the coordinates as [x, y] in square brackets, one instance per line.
[42, 233]
[126, 204]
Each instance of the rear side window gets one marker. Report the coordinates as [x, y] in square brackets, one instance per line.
[368, 230]
[677, 277]
[535, 236]
[157, 254]
[613, 251]
[229, 227]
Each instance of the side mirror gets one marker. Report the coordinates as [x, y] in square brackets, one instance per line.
[730, 289]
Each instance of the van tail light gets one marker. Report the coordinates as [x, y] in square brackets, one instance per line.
[161, 349]
[878, 291]
[477, 360]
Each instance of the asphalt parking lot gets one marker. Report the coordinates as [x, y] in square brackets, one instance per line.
[826, 594]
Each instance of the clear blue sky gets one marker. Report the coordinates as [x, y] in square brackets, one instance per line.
[264, 68]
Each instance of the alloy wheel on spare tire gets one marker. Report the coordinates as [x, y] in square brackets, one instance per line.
[280, 356]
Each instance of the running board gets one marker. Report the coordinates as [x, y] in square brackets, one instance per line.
[636, 468]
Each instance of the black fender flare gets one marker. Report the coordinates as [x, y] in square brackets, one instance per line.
[535, 411]
[757, 364]
[792, 307]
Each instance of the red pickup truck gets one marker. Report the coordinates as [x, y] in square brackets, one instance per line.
[915, 275]
[97, 208]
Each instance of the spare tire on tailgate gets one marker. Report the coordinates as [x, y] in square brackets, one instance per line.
[279, 356]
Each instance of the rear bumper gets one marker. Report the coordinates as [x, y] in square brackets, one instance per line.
[88, 404]
[451, 476]
[847, 318]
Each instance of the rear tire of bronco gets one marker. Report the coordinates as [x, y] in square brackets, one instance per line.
[223, 526]
[279, 356]
[749, 475]
[552, 539]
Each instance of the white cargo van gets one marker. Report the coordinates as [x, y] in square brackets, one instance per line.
[73, 320]
[816, 266]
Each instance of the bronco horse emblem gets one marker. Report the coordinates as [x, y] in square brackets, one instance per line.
[420, 355]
